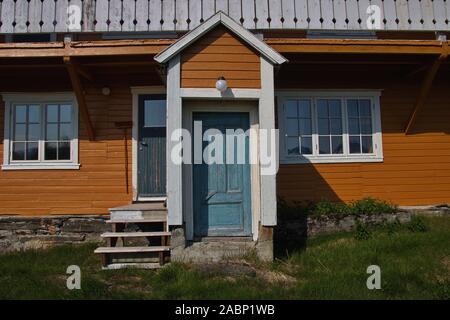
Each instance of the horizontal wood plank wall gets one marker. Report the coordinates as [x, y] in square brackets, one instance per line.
[416, 167]
[100, 182]
[220, 53]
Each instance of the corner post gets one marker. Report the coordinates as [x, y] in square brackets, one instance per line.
[174, 122]
[267, 122]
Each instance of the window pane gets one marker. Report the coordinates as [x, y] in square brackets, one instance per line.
[50, 151]
[336, 126]
[291, 109]
[292, 127]
[352, 108]
[322, 108]
[66, 113]
[336, 144]
[34, 132]
[335, 108]
[155, 113]
[52, 132]
[366, 126]
[32, 150]
[52, 113]
[364, 108]
[304, 109]
[18, 151]
[20, 132]
[324, 145]
[21, 114]
[305, 127]
[355, 145]
[65, 131]
[306, 145]
[367, 146]
[34, 114]
[64, 151]
[353, 126]
[324, 126]
[292, 145]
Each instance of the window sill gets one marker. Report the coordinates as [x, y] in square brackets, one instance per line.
[305, 160]
[42, 166]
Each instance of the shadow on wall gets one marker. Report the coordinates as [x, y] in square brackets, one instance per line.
[299, 186]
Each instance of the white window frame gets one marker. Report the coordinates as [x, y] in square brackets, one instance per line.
[373, 96]
[12, 99]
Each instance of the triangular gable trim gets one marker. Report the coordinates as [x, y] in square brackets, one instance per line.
[220, 18]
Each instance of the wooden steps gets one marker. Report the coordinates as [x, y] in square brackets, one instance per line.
[133, 225]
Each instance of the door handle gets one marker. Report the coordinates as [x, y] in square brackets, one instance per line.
[210, 195]
[142, 144]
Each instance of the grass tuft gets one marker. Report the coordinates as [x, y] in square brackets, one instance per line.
[295, 210]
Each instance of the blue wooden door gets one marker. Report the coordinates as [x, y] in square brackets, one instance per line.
[152, 146]
[222, 205]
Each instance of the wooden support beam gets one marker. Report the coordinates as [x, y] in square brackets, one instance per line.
[78, 89]
[425, 90]
[348, 46]
[84, 48]
[83, 71]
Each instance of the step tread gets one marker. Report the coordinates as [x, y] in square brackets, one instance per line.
[146, 220]
[131, 249]
[135, 234]
[132, 265]
[149, 206]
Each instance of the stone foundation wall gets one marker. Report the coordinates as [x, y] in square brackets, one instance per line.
[21, 233]
[312, 226]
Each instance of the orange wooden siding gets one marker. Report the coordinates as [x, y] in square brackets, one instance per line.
[220, 53]
[100, 182]
[416, 167]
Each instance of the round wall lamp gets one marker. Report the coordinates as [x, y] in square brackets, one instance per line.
[221, 84]
[106, 91]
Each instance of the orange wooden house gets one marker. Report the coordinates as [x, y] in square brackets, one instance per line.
[93, 90]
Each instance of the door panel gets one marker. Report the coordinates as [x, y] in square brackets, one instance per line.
[152, 146]
[222, 191]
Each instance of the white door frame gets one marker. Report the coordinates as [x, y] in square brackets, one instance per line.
[136, 92]
[189, 107]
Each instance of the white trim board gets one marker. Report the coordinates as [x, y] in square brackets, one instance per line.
[267, 122]
[229, 94]
[220, 18]
[174, 172]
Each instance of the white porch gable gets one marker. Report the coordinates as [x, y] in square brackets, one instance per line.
[221, 18]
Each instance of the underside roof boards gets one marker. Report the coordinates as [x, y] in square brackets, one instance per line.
[221, 18]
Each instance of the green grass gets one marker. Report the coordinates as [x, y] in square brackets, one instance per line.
[414, 261]
[368, 206]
